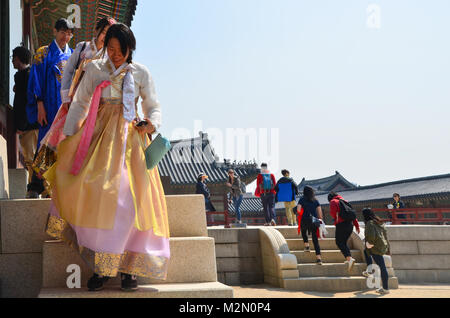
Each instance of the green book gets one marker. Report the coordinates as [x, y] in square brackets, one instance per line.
[154, 153]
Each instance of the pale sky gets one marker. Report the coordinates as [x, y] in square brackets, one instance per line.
[372, 103]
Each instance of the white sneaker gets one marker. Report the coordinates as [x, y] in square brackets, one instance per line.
[382, 291]
[350, 264]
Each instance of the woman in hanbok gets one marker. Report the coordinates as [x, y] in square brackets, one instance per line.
[84, 53]
[108, 205]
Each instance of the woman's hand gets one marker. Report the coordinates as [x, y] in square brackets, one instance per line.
[42, 114]
[145, 129]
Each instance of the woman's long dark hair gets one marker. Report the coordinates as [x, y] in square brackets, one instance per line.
[369, 215]
[308, 193]
[125, 37]
[102, 24]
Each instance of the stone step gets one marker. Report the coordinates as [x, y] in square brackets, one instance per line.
[333, 270]
[192, 260]
[190, 290]
[290, 232]
[332, 284]
[22, 222]
[328, 256]
[325, 244]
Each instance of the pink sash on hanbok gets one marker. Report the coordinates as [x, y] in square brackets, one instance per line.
[88, 129]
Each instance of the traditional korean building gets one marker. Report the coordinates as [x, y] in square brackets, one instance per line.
[180, 168]
[335, 182]
[84, 14]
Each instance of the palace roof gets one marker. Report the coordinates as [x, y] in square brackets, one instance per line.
[335, 182]
[189, 157]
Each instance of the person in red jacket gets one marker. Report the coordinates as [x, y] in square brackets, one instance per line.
[343, 229]
[265, 189]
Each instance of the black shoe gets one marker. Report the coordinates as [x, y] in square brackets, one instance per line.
[129, 282]
[95, 283]
[32, 195]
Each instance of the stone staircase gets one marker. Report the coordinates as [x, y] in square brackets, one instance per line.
[192, 268]
[31, 265]
[333, 275]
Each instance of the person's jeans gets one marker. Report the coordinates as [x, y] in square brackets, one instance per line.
[237, 201]
[209, 206]
[343, 232]
[315, 240]
[268, 202]
[379, 260]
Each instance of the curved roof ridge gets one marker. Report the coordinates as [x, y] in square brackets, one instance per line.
[379, 185]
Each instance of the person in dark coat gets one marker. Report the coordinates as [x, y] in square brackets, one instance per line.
[201, 188]
[398, 204]
[28, 132]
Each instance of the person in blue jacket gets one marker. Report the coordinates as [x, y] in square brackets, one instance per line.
[287, 191]
[44, 88]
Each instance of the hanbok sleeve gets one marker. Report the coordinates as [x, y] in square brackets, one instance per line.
[69, 71]
[36, 83]
[150, 104]
[81, 101]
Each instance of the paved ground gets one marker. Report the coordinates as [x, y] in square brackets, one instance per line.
[404, 291]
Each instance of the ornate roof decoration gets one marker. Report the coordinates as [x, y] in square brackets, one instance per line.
[85, 12]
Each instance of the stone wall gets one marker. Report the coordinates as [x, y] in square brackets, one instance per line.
[420, 253]
[22, 225]
[238, 256]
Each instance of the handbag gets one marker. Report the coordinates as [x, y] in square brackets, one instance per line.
[154, 153]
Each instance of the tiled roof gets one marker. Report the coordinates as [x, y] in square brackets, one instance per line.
[47, 12]
[426, 186]
[326, 184]
[189, 157]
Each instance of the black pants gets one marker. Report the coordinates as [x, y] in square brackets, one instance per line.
[343, 232]
[379, 260]
[268, 202]
[36, 184]
[315, 240]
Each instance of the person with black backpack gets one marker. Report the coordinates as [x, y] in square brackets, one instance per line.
[344, 219]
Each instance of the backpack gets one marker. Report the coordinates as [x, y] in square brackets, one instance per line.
[346, 211]
[267, 182]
